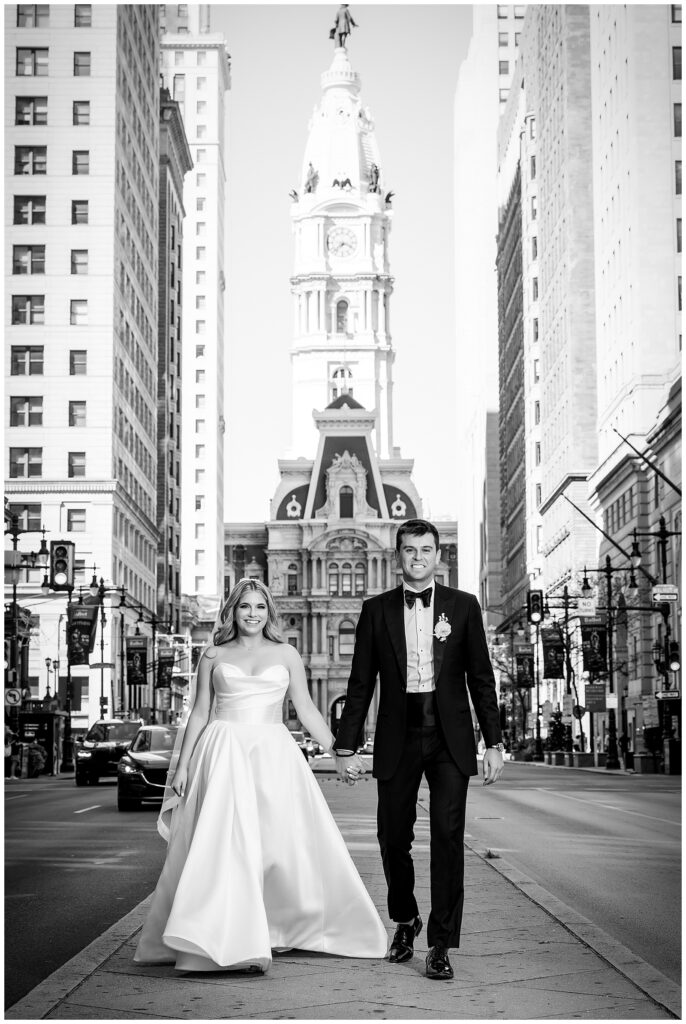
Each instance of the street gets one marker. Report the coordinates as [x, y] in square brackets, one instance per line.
[73, 866]
[607, 845]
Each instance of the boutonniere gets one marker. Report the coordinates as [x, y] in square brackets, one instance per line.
[443, 628]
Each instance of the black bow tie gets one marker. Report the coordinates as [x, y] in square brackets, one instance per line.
[411, 596]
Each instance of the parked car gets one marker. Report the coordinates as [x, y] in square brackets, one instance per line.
[99, 753]
[143, 769]
[305, 744]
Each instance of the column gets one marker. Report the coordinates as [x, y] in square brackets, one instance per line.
[325, 638]
[382, 312]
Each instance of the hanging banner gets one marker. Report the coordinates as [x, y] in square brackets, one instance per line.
[82, 623]
[165, 666]
[553, 654]
[136, 660]
[594, 647]
[525, 670]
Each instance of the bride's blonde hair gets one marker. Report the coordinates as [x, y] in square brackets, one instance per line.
[227, 631]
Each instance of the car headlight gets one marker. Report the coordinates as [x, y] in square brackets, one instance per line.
[83, 753]
[128, 768]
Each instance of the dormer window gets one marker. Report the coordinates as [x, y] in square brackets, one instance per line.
[346, 502]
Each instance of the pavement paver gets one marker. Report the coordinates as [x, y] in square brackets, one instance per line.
[524, 956]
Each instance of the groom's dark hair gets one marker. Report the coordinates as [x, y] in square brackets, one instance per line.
[415, 528]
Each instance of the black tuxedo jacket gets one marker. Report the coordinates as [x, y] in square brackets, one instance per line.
[461, 666]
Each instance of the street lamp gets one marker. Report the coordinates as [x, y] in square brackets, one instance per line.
[663, 534]
[99, 591]
[566, 641]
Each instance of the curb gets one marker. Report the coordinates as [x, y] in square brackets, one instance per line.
[655, 985]
[50, 992]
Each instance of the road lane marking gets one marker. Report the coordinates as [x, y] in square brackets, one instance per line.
[84, 809]
[19, 796]
[609, 807]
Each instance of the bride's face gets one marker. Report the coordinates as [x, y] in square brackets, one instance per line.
[251, 614]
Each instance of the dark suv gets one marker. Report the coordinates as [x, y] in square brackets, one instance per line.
[100, 751]
[143, 768]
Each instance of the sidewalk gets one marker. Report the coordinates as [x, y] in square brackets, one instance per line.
[524, 955]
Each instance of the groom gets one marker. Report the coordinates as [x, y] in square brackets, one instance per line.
[426, 642]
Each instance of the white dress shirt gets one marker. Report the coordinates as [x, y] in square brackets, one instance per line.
[419, 628]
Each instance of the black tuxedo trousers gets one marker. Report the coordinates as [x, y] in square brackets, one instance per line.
[443, 751]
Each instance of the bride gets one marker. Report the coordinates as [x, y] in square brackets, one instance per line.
[255, 860]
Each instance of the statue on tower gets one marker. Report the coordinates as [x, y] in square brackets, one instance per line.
[342, 27]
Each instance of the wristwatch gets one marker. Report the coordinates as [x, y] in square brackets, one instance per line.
[497, 746]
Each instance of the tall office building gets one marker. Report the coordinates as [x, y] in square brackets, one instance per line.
[481, 96]
[195, 67]
[82, 137]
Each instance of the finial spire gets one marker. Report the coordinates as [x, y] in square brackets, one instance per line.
[342, 26]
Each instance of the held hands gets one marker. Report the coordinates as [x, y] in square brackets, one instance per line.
[349, 768]
[493, 765]
[180, 781]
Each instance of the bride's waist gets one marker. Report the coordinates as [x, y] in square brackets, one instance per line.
[249, 716]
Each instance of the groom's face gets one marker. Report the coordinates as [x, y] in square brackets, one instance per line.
[418, 558]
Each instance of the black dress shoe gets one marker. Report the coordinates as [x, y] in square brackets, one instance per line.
[402, 946]
[438, 965]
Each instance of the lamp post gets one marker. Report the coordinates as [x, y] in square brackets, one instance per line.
[99, 590]
[663, 535]
[514, 631]
[608, 570]
[570, 676]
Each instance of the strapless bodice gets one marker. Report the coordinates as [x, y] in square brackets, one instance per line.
[257, 700]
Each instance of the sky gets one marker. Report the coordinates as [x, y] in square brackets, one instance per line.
[408, 57]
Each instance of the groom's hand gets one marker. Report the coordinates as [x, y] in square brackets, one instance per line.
[349, 768]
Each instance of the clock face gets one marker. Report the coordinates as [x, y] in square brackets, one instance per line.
[341, 242]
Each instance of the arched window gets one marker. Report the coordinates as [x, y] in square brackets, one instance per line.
[292, 578]
[346, 638]
[333, 579]
[341, 382]
[346, 502]
[347, 578]
[360, 578]
[341, 316]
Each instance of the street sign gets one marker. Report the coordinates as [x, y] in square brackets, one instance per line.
[578, 711]
[595, 697]
[567, 709]
[611, 702]
[586, 606]
[665, 592]
[12, 698]
[660, 694]
[102, 664]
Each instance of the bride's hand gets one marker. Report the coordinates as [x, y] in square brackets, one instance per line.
[180, 781]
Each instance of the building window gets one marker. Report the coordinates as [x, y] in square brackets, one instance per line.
[333, 579]
[25, 462]
[201, 107]
[677, 120]
[29, 209]
[179, 88]
[79, 211]
[202, 58]
[534, 207]
[199, 531]
[537, 412]
[79, 261]
[32, 61]
[201, 131]
[28, 259]
[502, 10]
[678, 292]
[29, 517]
[76, 520]
[200, 451]
[676, 14]
[33, 15]
[518, 37]
[82, 16]
[677, 177]
[199, 351]
[200, 476]
[199, 376]
[341, 316]
[31, 110]
[80, 161]
[537, 373]
[360, 578]
[519, 10]
[77, 414]
[538, 453]
[199, 401]
[292, 579]
[199, 502]
[30, 159]
[28, 309]
[200, 326]
[503, 94]
[503, 38]
[678, 234]
[676, 63]
[199, 557]
[346, 578]
[503, 67]
[201, 180]
[200, 426]
[78, 362]
[346, 502]
[81, 112]
[535, 327]
[78, 312]
[532, 163]
[201, 84]
[76, 464]
[539, 495]
[346, 639]
[182, 10]
[201, 155]
[26, 411]
[534, 248]
[534, 289]
[82, 65]
[26, 360]
[200, 252]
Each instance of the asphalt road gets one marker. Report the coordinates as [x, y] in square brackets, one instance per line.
[608, 846]
[73, 866]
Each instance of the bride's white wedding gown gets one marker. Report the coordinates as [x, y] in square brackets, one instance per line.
[255, 860]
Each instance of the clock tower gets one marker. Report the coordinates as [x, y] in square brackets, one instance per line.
[341, 283]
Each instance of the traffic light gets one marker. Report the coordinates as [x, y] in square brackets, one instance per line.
[61, 564]
[534, 606]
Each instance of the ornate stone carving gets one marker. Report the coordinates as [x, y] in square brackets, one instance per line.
[294, 509]
[345, 470]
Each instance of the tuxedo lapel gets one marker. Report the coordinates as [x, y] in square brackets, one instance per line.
[395, 623]
[442, 606]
